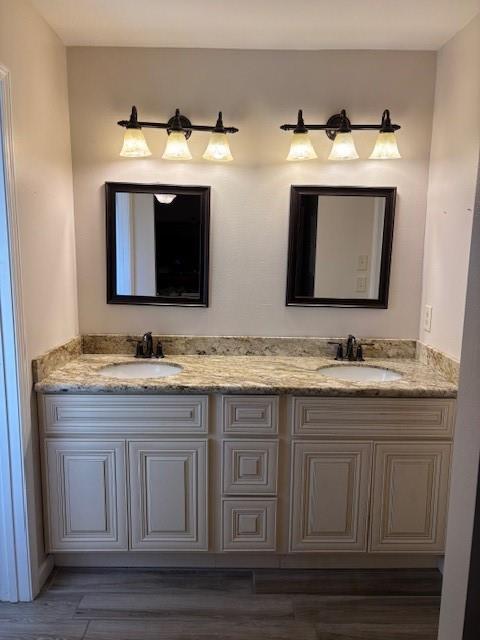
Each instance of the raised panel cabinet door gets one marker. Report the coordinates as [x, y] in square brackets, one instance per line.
[86, 500]
[330, 495]
[410, 497]
[168, 495]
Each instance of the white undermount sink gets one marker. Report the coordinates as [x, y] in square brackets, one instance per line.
[360, 373]
[130, 370]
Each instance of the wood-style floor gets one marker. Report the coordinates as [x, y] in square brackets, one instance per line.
[138, 604]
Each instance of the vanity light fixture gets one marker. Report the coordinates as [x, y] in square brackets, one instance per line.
[339, 129]
[343, 147]
[301, 147]
[134, 143]
[386, 145]
[218, 148]
[179, 129]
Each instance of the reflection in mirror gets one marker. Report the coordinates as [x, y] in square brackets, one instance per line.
[157, 244]
[340, 245]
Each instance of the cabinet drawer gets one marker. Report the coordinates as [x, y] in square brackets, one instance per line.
[249, 524]
[250, 467]
[374, 417]
[123, 414]
[250, 414]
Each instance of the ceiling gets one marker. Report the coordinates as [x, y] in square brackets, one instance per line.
[259, 24]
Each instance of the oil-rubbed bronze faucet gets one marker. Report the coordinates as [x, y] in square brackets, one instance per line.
[144, 347]
[351, 344]
[353, 350]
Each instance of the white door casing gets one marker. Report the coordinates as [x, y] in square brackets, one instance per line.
[19, 579]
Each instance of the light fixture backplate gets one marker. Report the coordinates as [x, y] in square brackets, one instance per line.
[185, 123]
[334, 123]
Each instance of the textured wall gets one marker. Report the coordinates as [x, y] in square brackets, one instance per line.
[258, 91]
[451, 190]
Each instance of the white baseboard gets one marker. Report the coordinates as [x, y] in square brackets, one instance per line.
[43, 572]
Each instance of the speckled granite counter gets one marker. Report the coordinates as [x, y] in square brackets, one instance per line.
[248, 374]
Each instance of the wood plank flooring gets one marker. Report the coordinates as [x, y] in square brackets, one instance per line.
[143, 604]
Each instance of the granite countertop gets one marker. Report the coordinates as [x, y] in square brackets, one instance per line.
[248, 374]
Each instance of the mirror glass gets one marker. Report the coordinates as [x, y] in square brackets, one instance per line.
[340, 245]
[157, 244]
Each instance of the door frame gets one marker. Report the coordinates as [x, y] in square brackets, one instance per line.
[17, 579]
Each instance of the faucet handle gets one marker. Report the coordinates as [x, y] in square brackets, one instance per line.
[138, 347]
[359, 357]
[159, 351]
[339, 354]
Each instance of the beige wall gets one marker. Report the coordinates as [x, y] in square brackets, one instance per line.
[36, 59]
[451, 191]
[466, 453]
[449, 236]
[257, 91]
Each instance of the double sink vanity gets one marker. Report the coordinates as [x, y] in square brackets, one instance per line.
[283, 453]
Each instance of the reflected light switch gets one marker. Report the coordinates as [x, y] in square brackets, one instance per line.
[362, 264]
[361, 284]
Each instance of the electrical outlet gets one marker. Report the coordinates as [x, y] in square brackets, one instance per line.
[427, 318]
[362, 264]
[361, 284]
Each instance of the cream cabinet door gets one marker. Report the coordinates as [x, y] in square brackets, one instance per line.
[86, 499]
[168, 495]
[330, 495]
[410, 497]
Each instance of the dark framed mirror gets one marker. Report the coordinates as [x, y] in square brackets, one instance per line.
[340, 246]
[157, 244]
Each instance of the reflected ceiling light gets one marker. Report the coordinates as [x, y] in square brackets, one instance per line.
[386, 147]
[339, 129]
[179, 129]
[343, 147]
[134, 143]
[165, 198]
[218, 149]
[301, 147]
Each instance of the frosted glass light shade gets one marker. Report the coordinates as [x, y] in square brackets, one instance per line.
[134, 144]
[165, 198]
[177, 147]
[343, 147]
[218, 149]
[385, 147]
[301, 148]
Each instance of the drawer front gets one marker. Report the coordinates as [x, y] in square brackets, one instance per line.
[249, 524]
[250, 414]
[374, 417]
[123, 414]
[250, 467]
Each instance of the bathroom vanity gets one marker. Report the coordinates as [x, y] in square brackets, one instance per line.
[260, 458]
